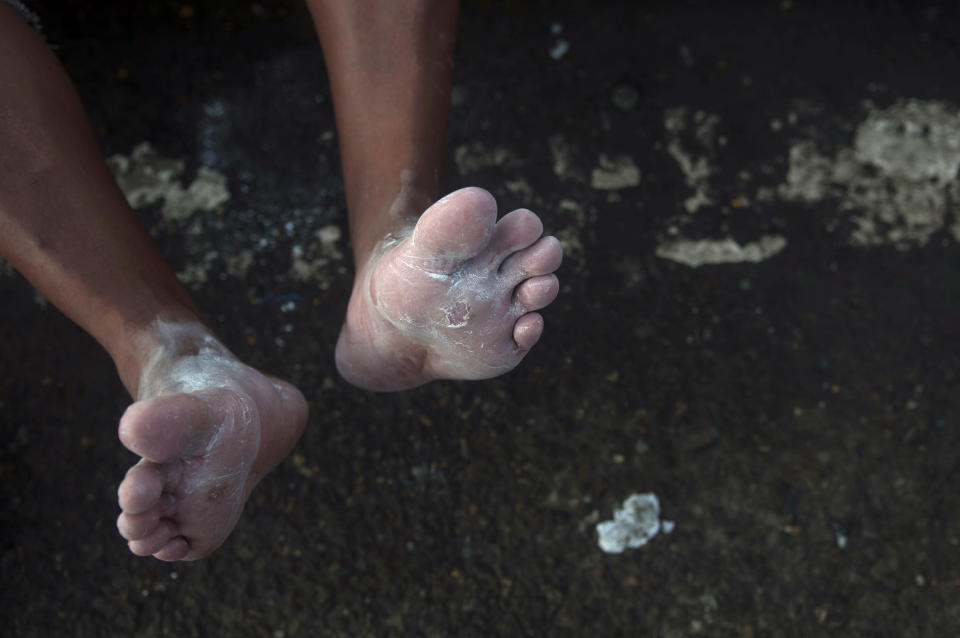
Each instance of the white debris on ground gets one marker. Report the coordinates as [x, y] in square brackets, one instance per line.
[238, 265]
[314, 263]
[562, 153]
[633, 525]
[519, 188]
[195, 273]
[145, 177]
[896, 181]
[476, 156]
[701, 252]
[561, 45]
[696, 169]
[614, 173]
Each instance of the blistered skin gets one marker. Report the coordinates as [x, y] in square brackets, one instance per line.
[453, 297]
[207, 428]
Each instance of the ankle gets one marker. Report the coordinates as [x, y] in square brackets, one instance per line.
[375, 216]
[150, 351]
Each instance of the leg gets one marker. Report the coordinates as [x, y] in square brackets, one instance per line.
[208, 427]
[453, 294]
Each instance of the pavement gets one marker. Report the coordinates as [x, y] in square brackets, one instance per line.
[758, 324]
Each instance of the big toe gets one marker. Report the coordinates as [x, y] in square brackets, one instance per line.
[163, 428]
[454, 228]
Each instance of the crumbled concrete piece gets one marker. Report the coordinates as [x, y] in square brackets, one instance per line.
[239, 264]
[675, 119]
[195, 274]
[696, 169]
[705, 129]
[615, 173]
[318, 270]
[208, 190]
[520, 188]
[476, 156]
[329, 235]
[633, 525]
[702, 252]
[573, 250]
[914, 140]
[145, 177]
[696, 172]
[562, 153]
[808, 174]
[897, 179]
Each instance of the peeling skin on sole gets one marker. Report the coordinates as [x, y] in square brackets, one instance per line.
[457, 314]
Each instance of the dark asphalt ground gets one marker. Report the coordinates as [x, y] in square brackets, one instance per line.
[796, 417]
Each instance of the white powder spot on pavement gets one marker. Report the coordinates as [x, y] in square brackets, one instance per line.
[675, 119]
[573, 250]
[561, 152]
[196, 274]
[897, 180]
[696, 168]
[633, 525]
[329, 235]
[615, 173]
[701, 252]
[577, 219]
[471, 158]
[914, 140]
[145, 177]
[807, 176]
[520, 188]
[238, 265]
[315, 262]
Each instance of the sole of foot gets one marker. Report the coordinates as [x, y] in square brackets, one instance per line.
[208, 428]
[455, 297]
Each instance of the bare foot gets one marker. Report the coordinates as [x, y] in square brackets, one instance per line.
[452, 298]
[208, 428]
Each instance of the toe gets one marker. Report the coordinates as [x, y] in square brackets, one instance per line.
[164, 428]
[540, 259]
[176, 549]
[134, 527]
[454, 228]
[141, 488]
[156, 540]
[536, 293]
[527, 330]
[515, 231]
